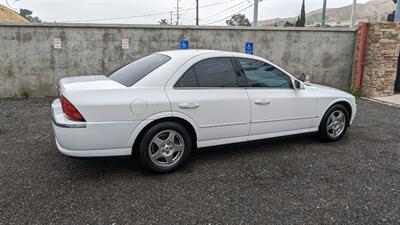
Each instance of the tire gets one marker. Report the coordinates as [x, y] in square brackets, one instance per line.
[165, 147]
[334, 123]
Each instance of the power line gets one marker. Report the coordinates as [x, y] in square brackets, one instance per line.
[190, 5]
[230, 15]
[138, 16]
[224, 10]
[11, 5]
[206, 6]
[116, 18]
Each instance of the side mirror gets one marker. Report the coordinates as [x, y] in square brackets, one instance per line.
[302, 77]
[298, 85]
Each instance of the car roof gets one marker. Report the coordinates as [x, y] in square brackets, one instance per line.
[161, 75]
[189, 53]
[186, 52]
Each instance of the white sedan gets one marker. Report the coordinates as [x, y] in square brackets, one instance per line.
[162, 106]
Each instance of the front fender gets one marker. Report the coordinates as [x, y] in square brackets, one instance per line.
[326, 105]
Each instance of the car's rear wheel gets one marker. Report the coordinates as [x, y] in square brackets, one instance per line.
[165, 147]
[334, 123]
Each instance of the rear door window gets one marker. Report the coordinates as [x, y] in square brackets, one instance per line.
[213, 72]
[132, 72]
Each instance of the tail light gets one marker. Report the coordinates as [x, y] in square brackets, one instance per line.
[70, 111]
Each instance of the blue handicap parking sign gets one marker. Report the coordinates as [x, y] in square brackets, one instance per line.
[248, 49]
[184, 44]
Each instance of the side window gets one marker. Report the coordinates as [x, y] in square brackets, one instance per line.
[188, 79]
[214, 72]
[132, 72]
[261, 74]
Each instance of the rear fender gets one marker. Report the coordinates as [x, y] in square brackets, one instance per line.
[157, 116]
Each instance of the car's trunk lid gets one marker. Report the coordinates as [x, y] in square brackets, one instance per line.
[86, 83]
[68, 80]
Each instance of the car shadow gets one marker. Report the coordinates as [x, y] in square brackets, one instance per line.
[129, 165]
[253, 147]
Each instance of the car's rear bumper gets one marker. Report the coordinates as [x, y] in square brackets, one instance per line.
[94, 152]
[91, 139]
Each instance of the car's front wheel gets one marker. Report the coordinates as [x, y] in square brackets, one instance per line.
[165, 147]
[334, 123]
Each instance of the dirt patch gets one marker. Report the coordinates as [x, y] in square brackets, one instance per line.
[8, 15]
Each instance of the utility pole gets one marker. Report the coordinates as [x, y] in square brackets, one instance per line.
[197, 12]
[397, 15]
[255, 13]
[170, 17]
[323, 14]
[177, 12]
[178, 15]
[353, 14]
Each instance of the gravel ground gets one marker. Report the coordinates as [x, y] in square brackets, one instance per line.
[294, 180]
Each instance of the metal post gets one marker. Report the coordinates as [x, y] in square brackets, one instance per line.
[323, 14]
[255, 11]
[397, 15]
[361, 56]
[170, 15]
[197, 12]
[353, 14]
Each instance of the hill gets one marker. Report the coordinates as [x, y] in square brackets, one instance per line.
[8, 15]
[370, 11]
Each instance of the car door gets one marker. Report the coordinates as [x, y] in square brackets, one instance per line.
[206, 90]
[276, 106]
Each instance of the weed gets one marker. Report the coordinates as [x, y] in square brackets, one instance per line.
[24, 94]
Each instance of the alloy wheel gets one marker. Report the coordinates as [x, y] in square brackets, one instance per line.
[166, 148]
[335, 125]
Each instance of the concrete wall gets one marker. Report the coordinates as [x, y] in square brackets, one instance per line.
[29, 63]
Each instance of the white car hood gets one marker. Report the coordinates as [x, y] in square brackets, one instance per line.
[330, 90]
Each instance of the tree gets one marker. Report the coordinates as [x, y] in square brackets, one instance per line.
[288, 24]
[163, 22]
[301, 21]
[238, 20]
[27, 14]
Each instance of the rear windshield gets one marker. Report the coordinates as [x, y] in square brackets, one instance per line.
[132, 72]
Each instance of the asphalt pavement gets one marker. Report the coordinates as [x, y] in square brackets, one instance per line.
[292, 180]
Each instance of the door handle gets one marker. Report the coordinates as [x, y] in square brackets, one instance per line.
[188, 105]
[262, 101]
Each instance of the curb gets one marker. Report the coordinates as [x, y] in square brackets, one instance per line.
[382, 102]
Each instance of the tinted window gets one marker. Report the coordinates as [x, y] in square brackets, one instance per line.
[131, 73]
[261, 74]
[214, 72]
[188, 79]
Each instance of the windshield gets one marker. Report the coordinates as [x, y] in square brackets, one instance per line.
[132, 72]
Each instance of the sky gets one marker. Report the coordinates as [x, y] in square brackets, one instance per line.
[211, 12]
